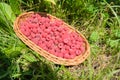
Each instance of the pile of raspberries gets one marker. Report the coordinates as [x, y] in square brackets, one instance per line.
[53, 36]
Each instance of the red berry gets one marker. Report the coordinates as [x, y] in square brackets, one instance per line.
[66, 56]
[42, 46]
[40, 43]
[48, 38]
[63, 50]
[65, 29]
[33, 34]
[82, 48]
[55, 53]
[44, 35]
[59, 29]
[55, 42]
[30, 37]
[71, 51]
[72, 56]
[65, 40]
[42, 27]
[60, 45]
[77, 52]
[73, 46]
[52, 51]
[57, 38]
[49, 44]
[34, 30]
[60, 55]
[22, 30]
[35, 40]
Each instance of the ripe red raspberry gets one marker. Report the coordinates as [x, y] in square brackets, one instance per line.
[72, 56]
[60, 55]
[60, 45]
[66, 56]
[82, 48]
[77, 52]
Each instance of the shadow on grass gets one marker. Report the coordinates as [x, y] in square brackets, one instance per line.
[4, 64]
[39, 71]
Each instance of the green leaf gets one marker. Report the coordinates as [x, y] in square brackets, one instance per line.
[91, 8]
[15, 5]
[52, 1]
[117, 33]
[7, 11]
[94, 36]
[12, 49]
[3, 20]
[113, 43]
[5, 24]
[94, 49]
[29, 58]
[12, 52]
[16, 75]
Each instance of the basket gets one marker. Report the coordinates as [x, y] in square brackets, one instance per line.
[57, 60]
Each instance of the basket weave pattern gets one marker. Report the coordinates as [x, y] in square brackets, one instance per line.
[57, 60]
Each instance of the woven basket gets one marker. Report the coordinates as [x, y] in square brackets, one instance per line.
[57, 60]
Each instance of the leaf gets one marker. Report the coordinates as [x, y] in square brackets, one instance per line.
[52, 1]
[91, 8]
[5, 24]
[7, 11]
[113, 43]
[12, 49]
[94, 36]
[16, 75]
[12, 52]
[94, 49]
[15, 5]
[29, 58]
[3, 19]
[117, 33]
[2, 16]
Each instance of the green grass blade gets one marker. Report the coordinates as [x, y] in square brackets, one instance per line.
[52, 1]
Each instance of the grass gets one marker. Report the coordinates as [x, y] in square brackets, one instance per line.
[99, 21]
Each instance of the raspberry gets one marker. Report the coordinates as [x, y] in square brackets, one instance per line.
[67, 47]
[33, 34]
[48, 38]
[82, 49]
[35, 40]
[40, 43]
[22, 30]
[60, 55]
[66, 56]
[72, 56]
[34, 30]
[77, 52]
[71, 51]
[44, 35]
[66, 40]
[60, 45]
[30, 37]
